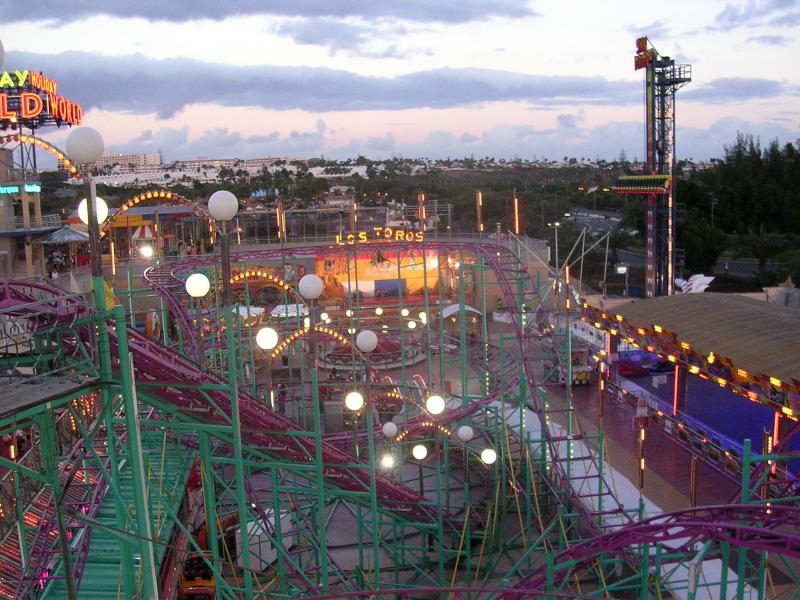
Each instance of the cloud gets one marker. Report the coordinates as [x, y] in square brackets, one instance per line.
[444, 11]
[727, 89]
[140, 85]
[770, 40]
[371, 39]
[753, 13]
[569, 121]
[656, 29]
[219, 142]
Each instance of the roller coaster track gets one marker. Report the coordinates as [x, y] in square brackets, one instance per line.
[517, 287]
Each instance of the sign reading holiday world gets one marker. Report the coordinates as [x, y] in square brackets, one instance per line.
[31, 99]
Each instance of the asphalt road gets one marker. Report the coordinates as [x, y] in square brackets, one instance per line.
[738, 267]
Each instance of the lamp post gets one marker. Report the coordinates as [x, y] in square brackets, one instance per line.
[310, 287]
[464, 434]
[555, 226]
[267, 339]
[84, 146]
[622, 269]
[223, 206]
[197, 286]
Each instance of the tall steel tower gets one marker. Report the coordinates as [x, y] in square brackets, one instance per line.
[662, 79]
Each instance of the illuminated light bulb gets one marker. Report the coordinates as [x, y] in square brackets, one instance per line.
[419, 451]
[423, 318]
[412, 324]
[324, 317]
[354, 400]
[100, 209]
[197, 285]
[435, 404]
[404, 312]
[488, 456]
[387, 461]
[146, 251]
[348, 313]
[379, 311]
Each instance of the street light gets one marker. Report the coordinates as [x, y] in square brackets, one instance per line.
[435, 404]
[354, 401]
[622, 269]
[197, 286]
[464, 434]
[389, 429]
[84, 146]
[311, 287]
[267, 339]
[100, 209]
[222, 207]
[488, 456]
[555, 226]
[420, 451]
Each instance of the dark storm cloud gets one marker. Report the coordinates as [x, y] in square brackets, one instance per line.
[728, 89]
[141, 85]
[445, 11]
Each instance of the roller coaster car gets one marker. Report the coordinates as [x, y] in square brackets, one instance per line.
[197, 576]
[196, 593]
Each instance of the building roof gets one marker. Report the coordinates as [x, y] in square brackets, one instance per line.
[757, 336]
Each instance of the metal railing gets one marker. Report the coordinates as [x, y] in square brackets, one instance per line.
[18, 223]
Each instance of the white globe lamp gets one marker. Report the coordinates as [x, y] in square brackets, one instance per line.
[146, 251]
[366, 340]
[354, 401]
[223, 205]
[488, 456]
[465, 433]
[389, 429]
[197, 285]
[310, 286]
[420, 451]
[100, 209]
[266, 338]
[435, 404]
[387, 461]
[84, 145]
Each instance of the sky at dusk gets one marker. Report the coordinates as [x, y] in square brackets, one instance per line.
[419, 78]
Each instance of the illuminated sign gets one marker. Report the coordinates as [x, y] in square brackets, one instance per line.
[32, 99]
[14, 189]
[377, 234]
[643, 55]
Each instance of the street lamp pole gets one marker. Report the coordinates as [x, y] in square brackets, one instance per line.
[85, 146]
[366, 342]
[267, 339]
[310, 287]
[223, 206]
